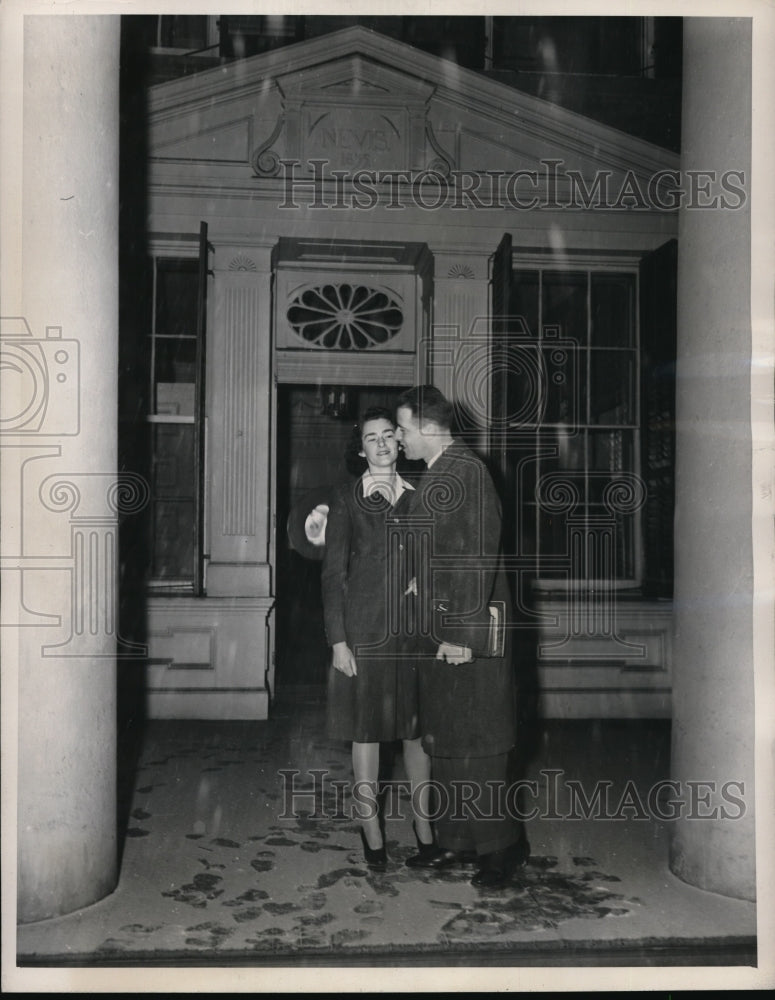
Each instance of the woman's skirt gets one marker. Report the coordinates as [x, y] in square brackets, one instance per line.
[379, 704]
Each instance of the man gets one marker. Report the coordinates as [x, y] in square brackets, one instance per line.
[466, 680]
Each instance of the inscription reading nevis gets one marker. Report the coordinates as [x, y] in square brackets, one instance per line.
[356, 138]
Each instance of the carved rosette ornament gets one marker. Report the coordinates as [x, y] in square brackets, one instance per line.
[344, 316]
[461, 271]
[242, 263]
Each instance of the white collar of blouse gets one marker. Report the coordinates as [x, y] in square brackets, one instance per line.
[373, 484]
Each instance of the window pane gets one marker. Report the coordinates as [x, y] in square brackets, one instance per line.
[610, 45]
[611, 451]
[523, 300]
[568, 451]
[565, 304]
[526, 385]
[612, 310]
[175, 375]
[520, 505]
[176, 297]
[565, 382]
[612, 387]
[184, 31]
[173, 501]
[553, 541]
[571, 520]
[610, 545]
[527, 542]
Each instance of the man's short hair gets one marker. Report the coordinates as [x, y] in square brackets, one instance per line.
[426, 402]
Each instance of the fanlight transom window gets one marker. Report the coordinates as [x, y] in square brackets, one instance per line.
[345, 316]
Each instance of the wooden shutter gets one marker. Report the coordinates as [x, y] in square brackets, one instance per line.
[658, 351]
[500, 294]
[200, 409]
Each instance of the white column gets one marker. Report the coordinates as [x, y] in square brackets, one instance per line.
[712, 844]
[63, 533]
[239, 365]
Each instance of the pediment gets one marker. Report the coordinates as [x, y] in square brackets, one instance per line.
[358, 78]
[221, 142]
[361, 101]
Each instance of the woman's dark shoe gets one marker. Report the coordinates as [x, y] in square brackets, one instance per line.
[375, 857]
[426, 853]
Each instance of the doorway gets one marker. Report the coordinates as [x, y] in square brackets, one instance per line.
[314, 425]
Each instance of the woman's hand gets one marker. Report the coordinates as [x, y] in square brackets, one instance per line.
[344, 661]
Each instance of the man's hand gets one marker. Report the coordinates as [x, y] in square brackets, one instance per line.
[450, 653]
[344, 661]
[412, 588]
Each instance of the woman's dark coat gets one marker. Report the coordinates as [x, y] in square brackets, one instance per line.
[380, 703]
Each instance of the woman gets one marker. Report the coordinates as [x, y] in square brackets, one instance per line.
[371, 693]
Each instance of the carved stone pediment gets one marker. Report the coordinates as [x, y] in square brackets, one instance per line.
[357, 78]
[353, 114]
[356, 100]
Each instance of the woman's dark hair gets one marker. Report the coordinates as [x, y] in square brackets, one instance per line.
[357, 464]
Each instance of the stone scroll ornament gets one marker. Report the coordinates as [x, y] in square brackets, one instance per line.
[265, 161]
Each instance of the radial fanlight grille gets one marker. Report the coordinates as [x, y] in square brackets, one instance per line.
[345, 317]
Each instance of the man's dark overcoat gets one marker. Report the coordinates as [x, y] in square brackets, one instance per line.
[466, 710]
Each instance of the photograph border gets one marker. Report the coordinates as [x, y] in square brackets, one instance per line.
[415, 978]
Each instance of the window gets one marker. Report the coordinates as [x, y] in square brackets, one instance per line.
[460, 39]
[190, 32]
[589, 45]
[176, 424]
[572, 463]
[245, 35]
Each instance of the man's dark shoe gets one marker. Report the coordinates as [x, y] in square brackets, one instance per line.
[490, 878]
[520, 852]
[439, 858]
[496, 869]
[434, 858]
